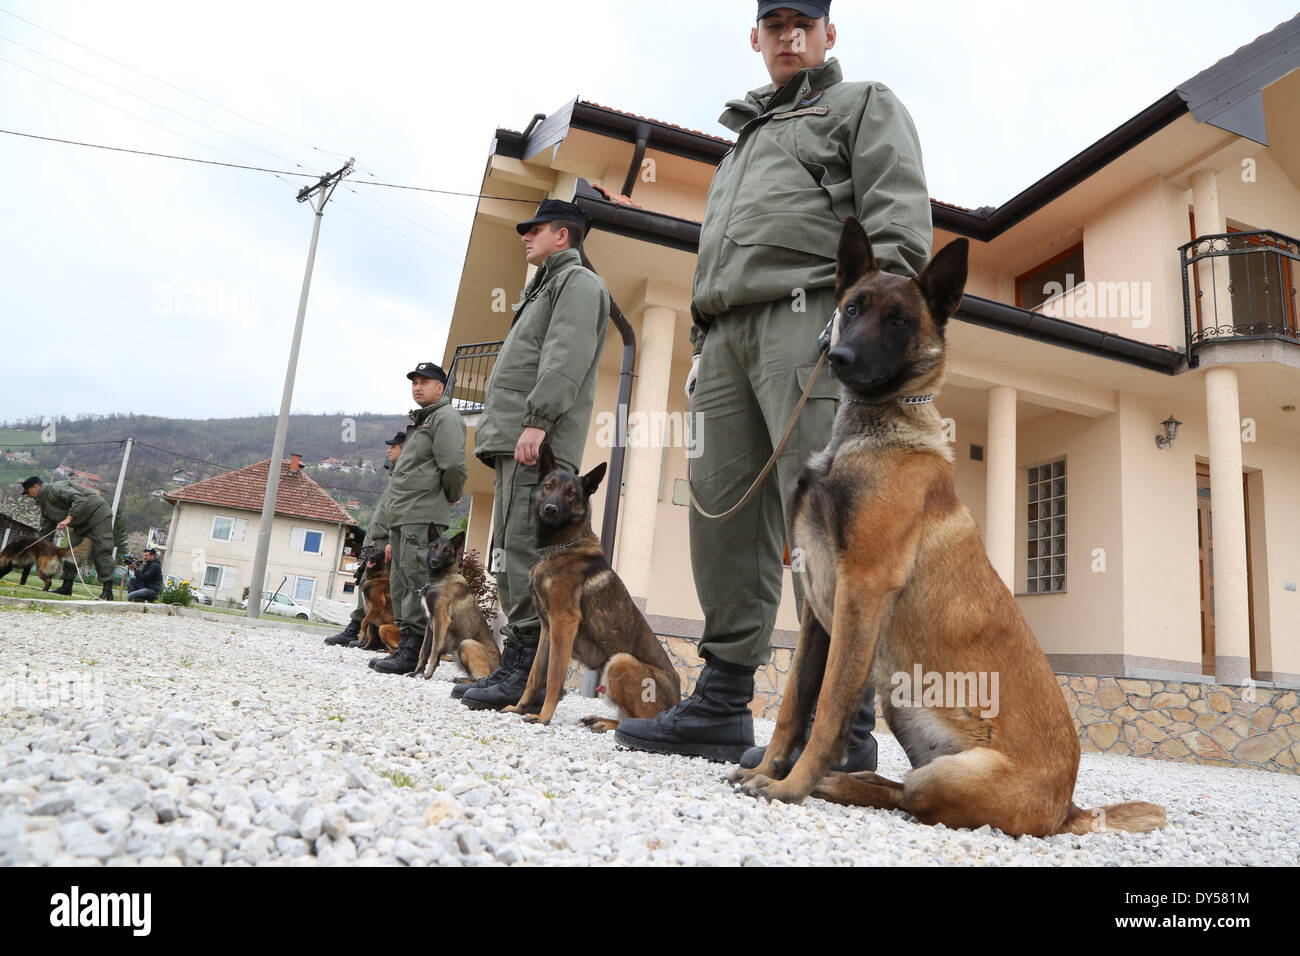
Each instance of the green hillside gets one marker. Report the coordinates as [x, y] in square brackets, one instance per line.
[204, 448]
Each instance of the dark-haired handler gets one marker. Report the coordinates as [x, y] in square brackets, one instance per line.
[147, 582]
[811, 150]
[350, 636]
[542, 389]
[85, 515]
[427, 479]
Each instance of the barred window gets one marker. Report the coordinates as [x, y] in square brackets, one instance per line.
[1046, 562]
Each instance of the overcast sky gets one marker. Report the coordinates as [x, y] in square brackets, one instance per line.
[133, 284]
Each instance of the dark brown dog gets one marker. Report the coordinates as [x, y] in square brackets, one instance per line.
[41, 556]
[378, 626]
[897, 582]
[455, 623]
[586, 611]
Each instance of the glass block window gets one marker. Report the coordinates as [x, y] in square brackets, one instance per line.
[1047, 537]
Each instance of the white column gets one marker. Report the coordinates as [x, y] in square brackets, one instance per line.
[1228, 508]
[636, 526]
[1000, 490]
[1212, 274]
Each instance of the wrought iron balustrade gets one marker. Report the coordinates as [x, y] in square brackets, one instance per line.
[1239, 286]
[471, 367]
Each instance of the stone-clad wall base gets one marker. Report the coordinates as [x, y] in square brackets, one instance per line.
[1210, 724]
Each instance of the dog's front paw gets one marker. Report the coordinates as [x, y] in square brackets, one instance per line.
[758, 785]
[511, 709]
[535, 719]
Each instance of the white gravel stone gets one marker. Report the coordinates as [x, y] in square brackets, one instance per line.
[233, 758]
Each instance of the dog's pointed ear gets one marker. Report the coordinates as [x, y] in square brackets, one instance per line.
[545, 460]
[854, 259]
[458, 542]
[592, 479]
[434, 534]
[943, 279]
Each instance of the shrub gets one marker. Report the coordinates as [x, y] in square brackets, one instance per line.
[485, 589]
[178, 593]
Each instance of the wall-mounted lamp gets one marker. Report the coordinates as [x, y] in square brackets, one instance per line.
[1171, 432]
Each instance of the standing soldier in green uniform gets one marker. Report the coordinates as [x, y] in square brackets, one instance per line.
[542, 387]
[86, 515]
[351, 635]
[428, 477]
[811, 150]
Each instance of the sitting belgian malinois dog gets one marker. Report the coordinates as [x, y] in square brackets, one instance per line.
[44, 557]
[897, 581]
[378, 626]
[455, 623]
[585, 610]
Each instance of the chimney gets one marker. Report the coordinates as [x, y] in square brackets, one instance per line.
[295, 462]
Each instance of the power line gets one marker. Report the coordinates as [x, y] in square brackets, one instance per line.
[260, 169]
[173, 86]
[45, 444]
[91, 96]
[145, 152]
[152, 103]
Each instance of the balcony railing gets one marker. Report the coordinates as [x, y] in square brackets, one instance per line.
[471, 367]
[1240, 286]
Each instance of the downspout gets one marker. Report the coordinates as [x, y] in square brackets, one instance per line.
[614, 483]
[638, 156]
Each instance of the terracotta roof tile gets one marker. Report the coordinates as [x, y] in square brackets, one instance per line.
[244, 488]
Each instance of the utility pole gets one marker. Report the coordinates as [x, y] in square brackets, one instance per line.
[117, 492]
[322, 190]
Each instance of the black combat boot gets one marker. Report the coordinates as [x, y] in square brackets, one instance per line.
[714, 722]
[861, 753]
[404, 659]
[107, 593]
[345, 636]
[65, 588]
[506, 691]
[509, 656]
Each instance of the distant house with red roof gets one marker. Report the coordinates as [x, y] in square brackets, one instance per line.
[213, 534]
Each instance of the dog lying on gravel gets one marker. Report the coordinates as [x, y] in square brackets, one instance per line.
[586, 611]
[455, 623]
[898, 582]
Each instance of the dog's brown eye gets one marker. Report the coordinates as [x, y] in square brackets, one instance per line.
[851, 309]
[897, 321]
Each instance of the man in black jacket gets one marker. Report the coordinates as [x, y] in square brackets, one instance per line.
[147, 582]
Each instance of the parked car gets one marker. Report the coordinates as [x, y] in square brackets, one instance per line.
[283, 605]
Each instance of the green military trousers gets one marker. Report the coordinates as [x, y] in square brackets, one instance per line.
[99, 530]
[514, 547]
[408, 573]
[754, 365]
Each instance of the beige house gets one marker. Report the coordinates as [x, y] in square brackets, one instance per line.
[1149, 280]
[213, 535]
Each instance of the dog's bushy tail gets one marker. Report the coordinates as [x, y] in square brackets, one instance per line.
[1136, 816]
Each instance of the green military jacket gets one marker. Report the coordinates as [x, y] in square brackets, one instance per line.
[59, 499]
[378, 527]
[545, 375]
[808, 156]
[430, 472]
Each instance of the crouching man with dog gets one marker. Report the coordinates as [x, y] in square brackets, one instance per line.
[811, 151]
[85, 515]
[542, 387]
[427, 479]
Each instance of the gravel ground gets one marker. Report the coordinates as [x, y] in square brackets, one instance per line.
[131, 739]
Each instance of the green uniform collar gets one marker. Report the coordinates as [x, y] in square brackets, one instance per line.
[765, 99]
[554, 263]
[418, 416]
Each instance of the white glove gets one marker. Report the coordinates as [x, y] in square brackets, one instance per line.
[692, 376]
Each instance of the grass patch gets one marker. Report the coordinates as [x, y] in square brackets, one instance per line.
[339, 717]
[399, 779]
